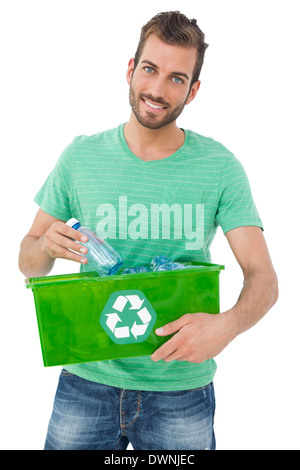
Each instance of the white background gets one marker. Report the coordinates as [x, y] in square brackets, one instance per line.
[63, 65]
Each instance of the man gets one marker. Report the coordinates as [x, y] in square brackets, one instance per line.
[165, 401]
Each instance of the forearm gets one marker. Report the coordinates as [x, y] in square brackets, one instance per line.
[259, 294]
[33, 259]
[201, 336]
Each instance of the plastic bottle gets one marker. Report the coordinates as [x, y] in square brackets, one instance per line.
[137, 269]
[101, 256]
[162, 263]
[169, 266]
[159, 260]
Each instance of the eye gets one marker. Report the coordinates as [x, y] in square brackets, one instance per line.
[149, 69]
[177, 80]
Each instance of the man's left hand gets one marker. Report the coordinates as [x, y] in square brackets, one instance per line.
[199, 336]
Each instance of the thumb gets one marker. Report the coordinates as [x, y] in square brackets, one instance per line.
[172, 327]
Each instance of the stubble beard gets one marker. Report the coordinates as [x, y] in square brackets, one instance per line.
[151, 120]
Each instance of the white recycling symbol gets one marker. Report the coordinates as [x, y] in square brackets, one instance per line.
[123, 331]
[135, 321]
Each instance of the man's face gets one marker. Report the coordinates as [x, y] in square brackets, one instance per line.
[160, 86]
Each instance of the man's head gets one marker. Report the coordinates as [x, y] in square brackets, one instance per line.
[163, 76]
[175, 29]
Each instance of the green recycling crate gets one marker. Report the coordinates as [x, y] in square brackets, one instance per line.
[83, 317]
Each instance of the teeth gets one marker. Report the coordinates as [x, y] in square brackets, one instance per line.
[153, 105]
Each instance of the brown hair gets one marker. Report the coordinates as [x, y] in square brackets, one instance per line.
[174, 28]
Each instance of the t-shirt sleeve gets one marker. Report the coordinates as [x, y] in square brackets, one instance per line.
[236, 206]
[55, 194]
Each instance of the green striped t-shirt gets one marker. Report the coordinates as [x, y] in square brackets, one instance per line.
[172, 207]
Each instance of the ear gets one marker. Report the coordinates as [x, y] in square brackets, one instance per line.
[130, 71]
[193, 92]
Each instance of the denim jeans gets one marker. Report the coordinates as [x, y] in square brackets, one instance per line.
[91, 416]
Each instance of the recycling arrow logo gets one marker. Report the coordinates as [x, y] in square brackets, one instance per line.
[128, 317]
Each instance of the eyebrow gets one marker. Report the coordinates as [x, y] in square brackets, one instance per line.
[182, 74]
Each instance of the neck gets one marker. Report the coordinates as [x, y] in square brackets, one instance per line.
[149, 144]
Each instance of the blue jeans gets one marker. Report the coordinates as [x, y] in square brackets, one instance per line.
[91, 416]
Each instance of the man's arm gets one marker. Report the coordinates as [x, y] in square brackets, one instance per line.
[49, 238]
[201, 336]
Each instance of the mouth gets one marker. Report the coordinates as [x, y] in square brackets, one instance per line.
[153, 106]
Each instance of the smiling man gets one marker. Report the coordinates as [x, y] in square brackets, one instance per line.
[171, 85]
[162, 82]
[130, 184]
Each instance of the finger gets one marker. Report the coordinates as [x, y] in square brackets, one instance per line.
[173, 326]
[70, 232]
[57, 251]
[171, 352]
[165, 350]
[65, 236]
[70, 255]
[66, 242]
[174, 356]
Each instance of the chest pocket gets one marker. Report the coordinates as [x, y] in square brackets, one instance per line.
[180, 212]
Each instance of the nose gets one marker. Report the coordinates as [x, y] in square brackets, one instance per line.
[158, 90]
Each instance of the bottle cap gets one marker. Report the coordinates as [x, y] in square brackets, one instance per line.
[72, 222]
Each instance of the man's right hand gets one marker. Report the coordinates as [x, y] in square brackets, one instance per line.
[60, 239]
[49, 238]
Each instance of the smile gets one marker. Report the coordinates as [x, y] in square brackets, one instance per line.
[153, 106]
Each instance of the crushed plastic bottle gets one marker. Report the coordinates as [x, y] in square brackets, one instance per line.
[162, 263]
[159, 260]
[169, 266]
[137, 269]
